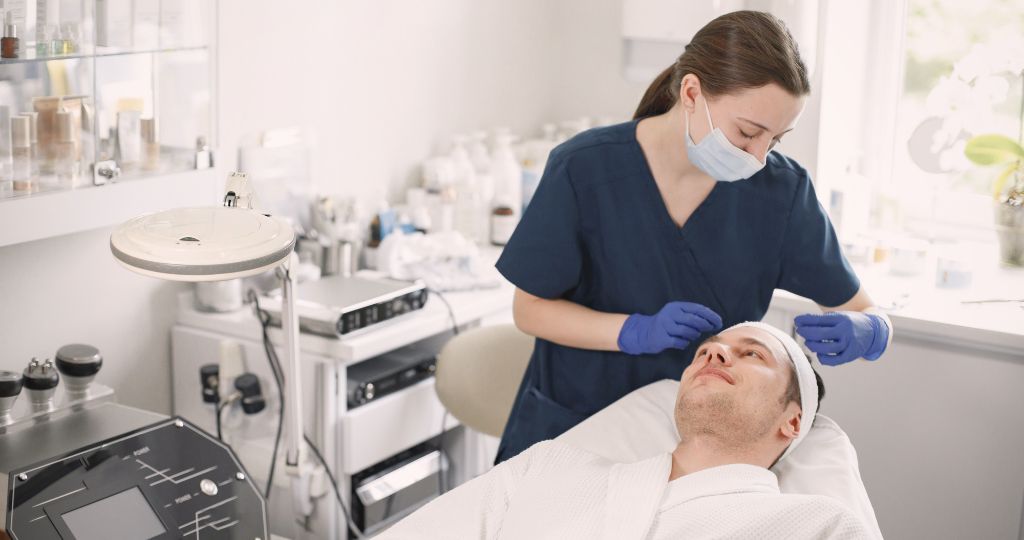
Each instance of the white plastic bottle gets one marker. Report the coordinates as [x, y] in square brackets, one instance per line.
[469, 205]
[481, 159]
[508, 174]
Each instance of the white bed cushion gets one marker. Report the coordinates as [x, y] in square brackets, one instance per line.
[641, 424]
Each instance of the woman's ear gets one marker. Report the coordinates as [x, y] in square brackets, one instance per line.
[689, 91]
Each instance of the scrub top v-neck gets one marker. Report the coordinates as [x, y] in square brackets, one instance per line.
[598, 233]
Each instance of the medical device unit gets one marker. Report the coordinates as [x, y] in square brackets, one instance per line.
[75, 465]
[393, 371]
[338, 306]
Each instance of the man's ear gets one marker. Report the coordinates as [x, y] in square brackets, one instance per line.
[790, 429]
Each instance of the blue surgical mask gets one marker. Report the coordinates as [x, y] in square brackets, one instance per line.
[718, 157]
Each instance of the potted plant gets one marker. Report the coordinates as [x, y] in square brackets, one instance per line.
[997, 150]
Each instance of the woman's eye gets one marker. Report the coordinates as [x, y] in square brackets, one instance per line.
[745, 134]
[702, 352]
[754, 354]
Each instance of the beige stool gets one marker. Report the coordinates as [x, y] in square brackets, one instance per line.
[478, 374]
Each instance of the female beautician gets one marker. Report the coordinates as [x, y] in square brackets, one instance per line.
[644, 237]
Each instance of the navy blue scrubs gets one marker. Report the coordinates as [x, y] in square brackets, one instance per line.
[598, 233]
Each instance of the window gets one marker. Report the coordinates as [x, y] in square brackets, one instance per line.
[897, 112]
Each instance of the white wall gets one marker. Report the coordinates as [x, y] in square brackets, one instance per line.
[379, 83]
[69, 290]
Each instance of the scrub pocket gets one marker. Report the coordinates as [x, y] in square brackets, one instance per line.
[538, 418]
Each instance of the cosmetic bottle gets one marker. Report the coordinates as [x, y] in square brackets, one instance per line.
[33, 137]
[5, 147]
[150, 145]
[67, 161]
[21, 155]
[204, 157]
[129, 139]
[9, 43]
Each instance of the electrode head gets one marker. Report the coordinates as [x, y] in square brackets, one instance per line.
[79, 364]
[40, 375]
[79, 360]
[10, 383]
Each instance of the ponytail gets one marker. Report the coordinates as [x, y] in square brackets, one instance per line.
[659, 97]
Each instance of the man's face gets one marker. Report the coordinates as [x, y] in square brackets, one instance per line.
[734, 387]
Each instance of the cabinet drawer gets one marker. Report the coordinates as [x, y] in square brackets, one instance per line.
[389, 425]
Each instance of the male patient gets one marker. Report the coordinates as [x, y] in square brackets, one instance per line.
[746, 401]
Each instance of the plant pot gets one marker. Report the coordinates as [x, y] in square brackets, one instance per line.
[1009, 220]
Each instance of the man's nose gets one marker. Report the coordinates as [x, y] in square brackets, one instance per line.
[719, 354]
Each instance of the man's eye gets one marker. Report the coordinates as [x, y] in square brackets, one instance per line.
[702, 352]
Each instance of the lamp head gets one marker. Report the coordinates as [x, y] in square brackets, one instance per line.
[212, 243]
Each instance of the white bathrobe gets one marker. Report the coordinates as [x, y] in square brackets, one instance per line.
[557, 491]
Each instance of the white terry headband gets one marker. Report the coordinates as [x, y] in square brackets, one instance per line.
[804, 376]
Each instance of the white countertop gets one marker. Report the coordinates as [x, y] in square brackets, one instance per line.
[921, 310]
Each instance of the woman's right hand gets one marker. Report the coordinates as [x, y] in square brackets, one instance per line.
[675, 326]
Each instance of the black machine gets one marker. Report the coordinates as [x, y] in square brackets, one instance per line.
[388, 373]
[77, 466]
[116, 472]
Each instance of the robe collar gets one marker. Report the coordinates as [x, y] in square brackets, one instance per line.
[721, 480]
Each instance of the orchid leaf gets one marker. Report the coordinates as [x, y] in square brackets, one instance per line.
[993, 149]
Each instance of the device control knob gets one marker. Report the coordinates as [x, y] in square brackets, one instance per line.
[208, 487]
[40, 379]
[79, 365]
[248, 385]
[209, 378]
[10, 387]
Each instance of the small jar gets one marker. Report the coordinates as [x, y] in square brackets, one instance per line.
[503, 223]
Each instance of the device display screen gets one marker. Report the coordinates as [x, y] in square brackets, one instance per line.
[126, 515]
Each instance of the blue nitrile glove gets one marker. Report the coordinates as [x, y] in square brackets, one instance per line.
[676, 325]
[841, 336]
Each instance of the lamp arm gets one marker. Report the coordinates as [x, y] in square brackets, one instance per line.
[296, 460]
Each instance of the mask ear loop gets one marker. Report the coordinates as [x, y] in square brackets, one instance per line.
[708, 111]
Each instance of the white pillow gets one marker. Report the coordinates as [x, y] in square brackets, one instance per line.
[642, 424]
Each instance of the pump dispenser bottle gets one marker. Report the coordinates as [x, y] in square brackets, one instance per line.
[9, 43]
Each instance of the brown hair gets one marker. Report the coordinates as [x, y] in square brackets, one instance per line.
[792, 392]
[738, 50]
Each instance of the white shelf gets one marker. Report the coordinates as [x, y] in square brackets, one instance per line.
[46, 215]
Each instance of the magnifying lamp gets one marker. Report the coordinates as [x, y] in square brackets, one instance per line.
[227, 242]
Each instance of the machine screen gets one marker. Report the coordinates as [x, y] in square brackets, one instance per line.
[125, 515]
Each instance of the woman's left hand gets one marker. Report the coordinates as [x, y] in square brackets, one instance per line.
[841, 336]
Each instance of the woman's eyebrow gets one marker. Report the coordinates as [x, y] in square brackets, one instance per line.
[753, 123]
